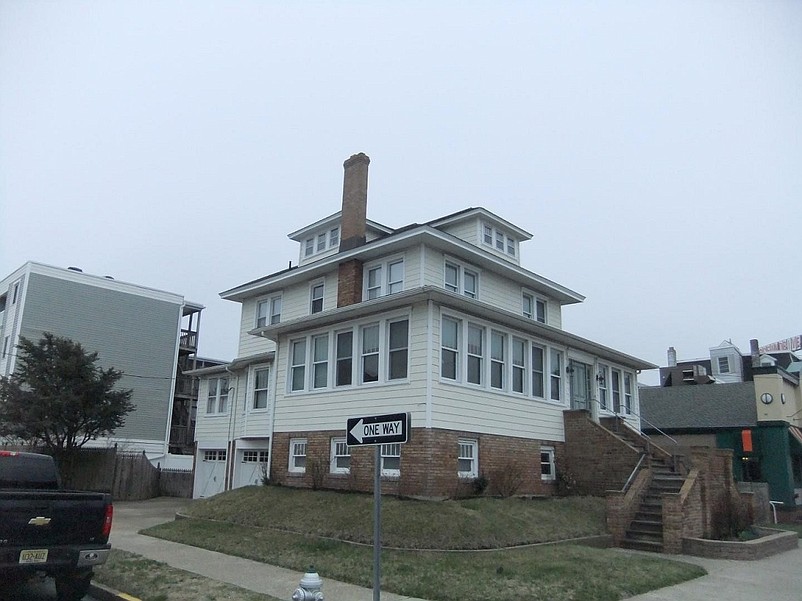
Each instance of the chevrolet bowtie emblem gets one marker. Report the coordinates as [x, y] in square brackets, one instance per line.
[39, 521]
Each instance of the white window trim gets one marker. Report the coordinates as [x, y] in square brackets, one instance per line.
[464, 322]
[603, 383]
[536, 298]
[213, 401]
[291, 464]
[253, 390]
[384, 283]
[390, 472]
[473, 444]
[335, 443]
[269, 302]
[312, 285]
[461, 268]
[498, 234]
[552, 464]
[356, 357]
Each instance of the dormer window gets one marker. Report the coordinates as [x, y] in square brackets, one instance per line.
[499, 240]
[318, 243]
[723, 365]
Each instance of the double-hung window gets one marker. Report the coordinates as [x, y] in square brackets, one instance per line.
[556, 370]
[518, 365]
[297, 364]
[334, 237]
[268, 311]
[498, 364]
[261, 379]
[321, 242]
[370, 353]
[627, 393]
[217, 396]
[345, 358]
[391, 460]
[467, 459]
[316, 297]
[309, 247]
[297, 455]
[604, 393]
[476, 336]
[487, 235]
[615, 384]
[398, 350]
[340, 456]
[538, 371]
[534, 307]
[723, 365]
[384, 278]
[320, 361]
[461, 279]
[449, 348]
[548, 472]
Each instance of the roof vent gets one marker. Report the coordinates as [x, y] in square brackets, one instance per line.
[108, 277]
[78, 269]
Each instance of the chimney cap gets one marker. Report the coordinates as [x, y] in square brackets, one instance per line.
[360, 157]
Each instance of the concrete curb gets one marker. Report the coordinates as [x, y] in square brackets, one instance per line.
[104, 593]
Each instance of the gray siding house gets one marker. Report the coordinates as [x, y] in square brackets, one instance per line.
[147, 334]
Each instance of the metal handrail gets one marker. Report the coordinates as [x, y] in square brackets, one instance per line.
[628, 483]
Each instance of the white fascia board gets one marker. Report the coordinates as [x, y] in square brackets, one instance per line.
[326, 222]
[423, 234]
[14, 276]
[460, 303]
[521, 233]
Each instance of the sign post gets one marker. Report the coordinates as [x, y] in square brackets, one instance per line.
[377, 430]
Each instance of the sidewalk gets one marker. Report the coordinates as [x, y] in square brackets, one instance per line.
[130, 517]
[778, 578]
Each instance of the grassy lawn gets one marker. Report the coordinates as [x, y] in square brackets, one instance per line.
[792, 527]
[287, 527]
[156, 581]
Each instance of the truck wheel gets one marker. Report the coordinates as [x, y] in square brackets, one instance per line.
[72, 586]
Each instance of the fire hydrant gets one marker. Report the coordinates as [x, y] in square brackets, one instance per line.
[309, 587]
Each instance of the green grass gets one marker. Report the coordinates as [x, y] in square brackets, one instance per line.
[155, 581]
[792, 527]
[481, 523]
[284, 527]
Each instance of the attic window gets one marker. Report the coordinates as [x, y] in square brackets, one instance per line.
[321, 242]
[499, 240]
[723, 365]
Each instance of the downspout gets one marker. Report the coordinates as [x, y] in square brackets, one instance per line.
[429, 359]
[272, 425]
[232, 422]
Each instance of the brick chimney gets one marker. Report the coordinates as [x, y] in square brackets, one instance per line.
[353, 227]
[672, 357]
[754, 352]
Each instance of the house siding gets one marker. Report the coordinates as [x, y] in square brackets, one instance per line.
[137, 335]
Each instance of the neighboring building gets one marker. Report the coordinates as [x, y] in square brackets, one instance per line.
[149, 335]
[438, 320]
[749, 403]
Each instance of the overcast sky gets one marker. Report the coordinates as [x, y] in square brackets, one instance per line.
[653, 149]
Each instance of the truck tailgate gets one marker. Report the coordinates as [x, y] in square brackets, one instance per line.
[49, 518]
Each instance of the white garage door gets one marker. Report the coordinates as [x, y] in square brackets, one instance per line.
[210, 473]
[250, 467]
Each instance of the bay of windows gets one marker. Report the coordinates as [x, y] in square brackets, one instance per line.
[498, 239]
[504, 366]
[322, 242]
[381, 350]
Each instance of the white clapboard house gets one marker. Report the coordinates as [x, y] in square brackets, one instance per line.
[439, 320]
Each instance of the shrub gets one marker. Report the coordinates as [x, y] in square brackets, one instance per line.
[731, 516]
[506, 480]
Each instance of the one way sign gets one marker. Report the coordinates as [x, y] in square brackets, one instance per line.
[378, 429]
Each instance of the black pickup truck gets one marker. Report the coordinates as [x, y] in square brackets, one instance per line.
[45, 529]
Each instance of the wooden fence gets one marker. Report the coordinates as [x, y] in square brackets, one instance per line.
[128, 477]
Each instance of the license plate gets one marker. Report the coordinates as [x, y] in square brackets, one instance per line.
[33, 556]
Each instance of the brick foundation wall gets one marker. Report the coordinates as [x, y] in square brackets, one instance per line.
[428, 464]
[597, 459]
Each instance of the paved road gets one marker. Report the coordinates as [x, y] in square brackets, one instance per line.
[37, 589]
